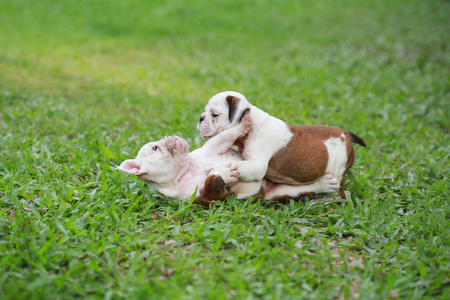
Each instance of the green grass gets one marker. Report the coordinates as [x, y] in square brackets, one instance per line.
[84, 84]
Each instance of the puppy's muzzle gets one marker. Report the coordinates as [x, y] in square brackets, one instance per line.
[169, 142]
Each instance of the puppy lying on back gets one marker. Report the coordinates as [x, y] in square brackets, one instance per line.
[278, 151]
[169, 168]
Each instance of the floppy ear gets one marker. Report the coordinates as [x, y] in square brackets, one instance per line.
[130, 166]
[236, 109]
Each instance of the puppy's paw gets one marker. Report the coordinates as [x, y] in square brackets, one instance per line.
[327, 184]
[246, 124]
[229, 175]
[228, 171]
[209, 169]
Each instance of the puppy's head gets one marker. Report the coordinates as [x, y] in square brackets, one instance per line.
[223, 111]
[160, 161]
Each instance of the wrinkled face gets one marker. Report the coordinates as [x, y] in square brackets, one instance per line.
[223, 111]
[159, 161]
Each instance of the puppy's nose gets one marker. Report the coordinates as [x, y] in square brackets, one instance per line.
[202, 118]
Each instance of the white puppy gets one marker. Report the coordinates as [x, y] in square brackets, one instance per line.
[278, 151]
[169, 168]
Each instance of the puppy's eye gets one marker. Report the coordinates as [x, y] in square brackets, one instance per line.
[155, 148]
[214, 115]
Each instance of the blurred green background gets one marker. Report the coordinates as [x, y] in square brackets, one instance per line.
[344, 55]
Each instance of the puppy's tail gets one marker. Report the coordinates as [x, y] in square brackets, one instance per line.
[357, 139]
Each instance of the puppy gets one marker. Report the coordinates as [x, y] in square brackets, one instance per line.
[168, 167]
[278, 151]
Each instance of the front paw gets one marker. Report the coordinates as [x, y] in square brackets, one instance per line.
[209, 169]
[246, 124]
[227, 171]
[327, 184]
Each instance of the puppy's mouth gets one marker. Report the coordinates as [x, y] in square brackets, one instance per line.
[205, 131]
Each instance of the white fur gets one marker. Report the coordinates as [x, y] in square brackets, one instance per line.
[174, 172]
[337, 156]
[267, 136]
[178, 175]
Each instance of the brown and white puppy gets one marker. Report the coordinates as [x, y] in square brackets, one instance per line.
[278, 151]
[168, 167]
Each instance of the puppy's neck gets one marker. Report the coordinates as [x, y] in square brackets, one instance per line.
[259, 117]
[183, 170]
[169, 181]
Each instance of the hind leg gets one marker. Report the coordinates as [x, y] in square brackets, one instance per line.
[283, 192]
[348, 165]
[341, 192]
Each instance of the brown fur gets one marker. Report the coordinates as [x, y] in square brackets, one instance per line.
[233, 103]
[202, 200]
[232, 107]
[214, 190]
[304, 160]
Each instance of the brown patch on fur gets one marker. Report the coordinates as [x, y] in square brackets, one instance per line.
[305, 158]
[214, 190]
[232, 106]
[202, 200]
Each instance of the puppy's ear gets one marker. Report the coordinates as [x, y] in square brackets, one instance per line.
[130, 166]
[236, 108]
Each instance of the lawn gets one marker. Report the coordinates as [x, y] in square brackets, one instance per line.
[84, 84]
